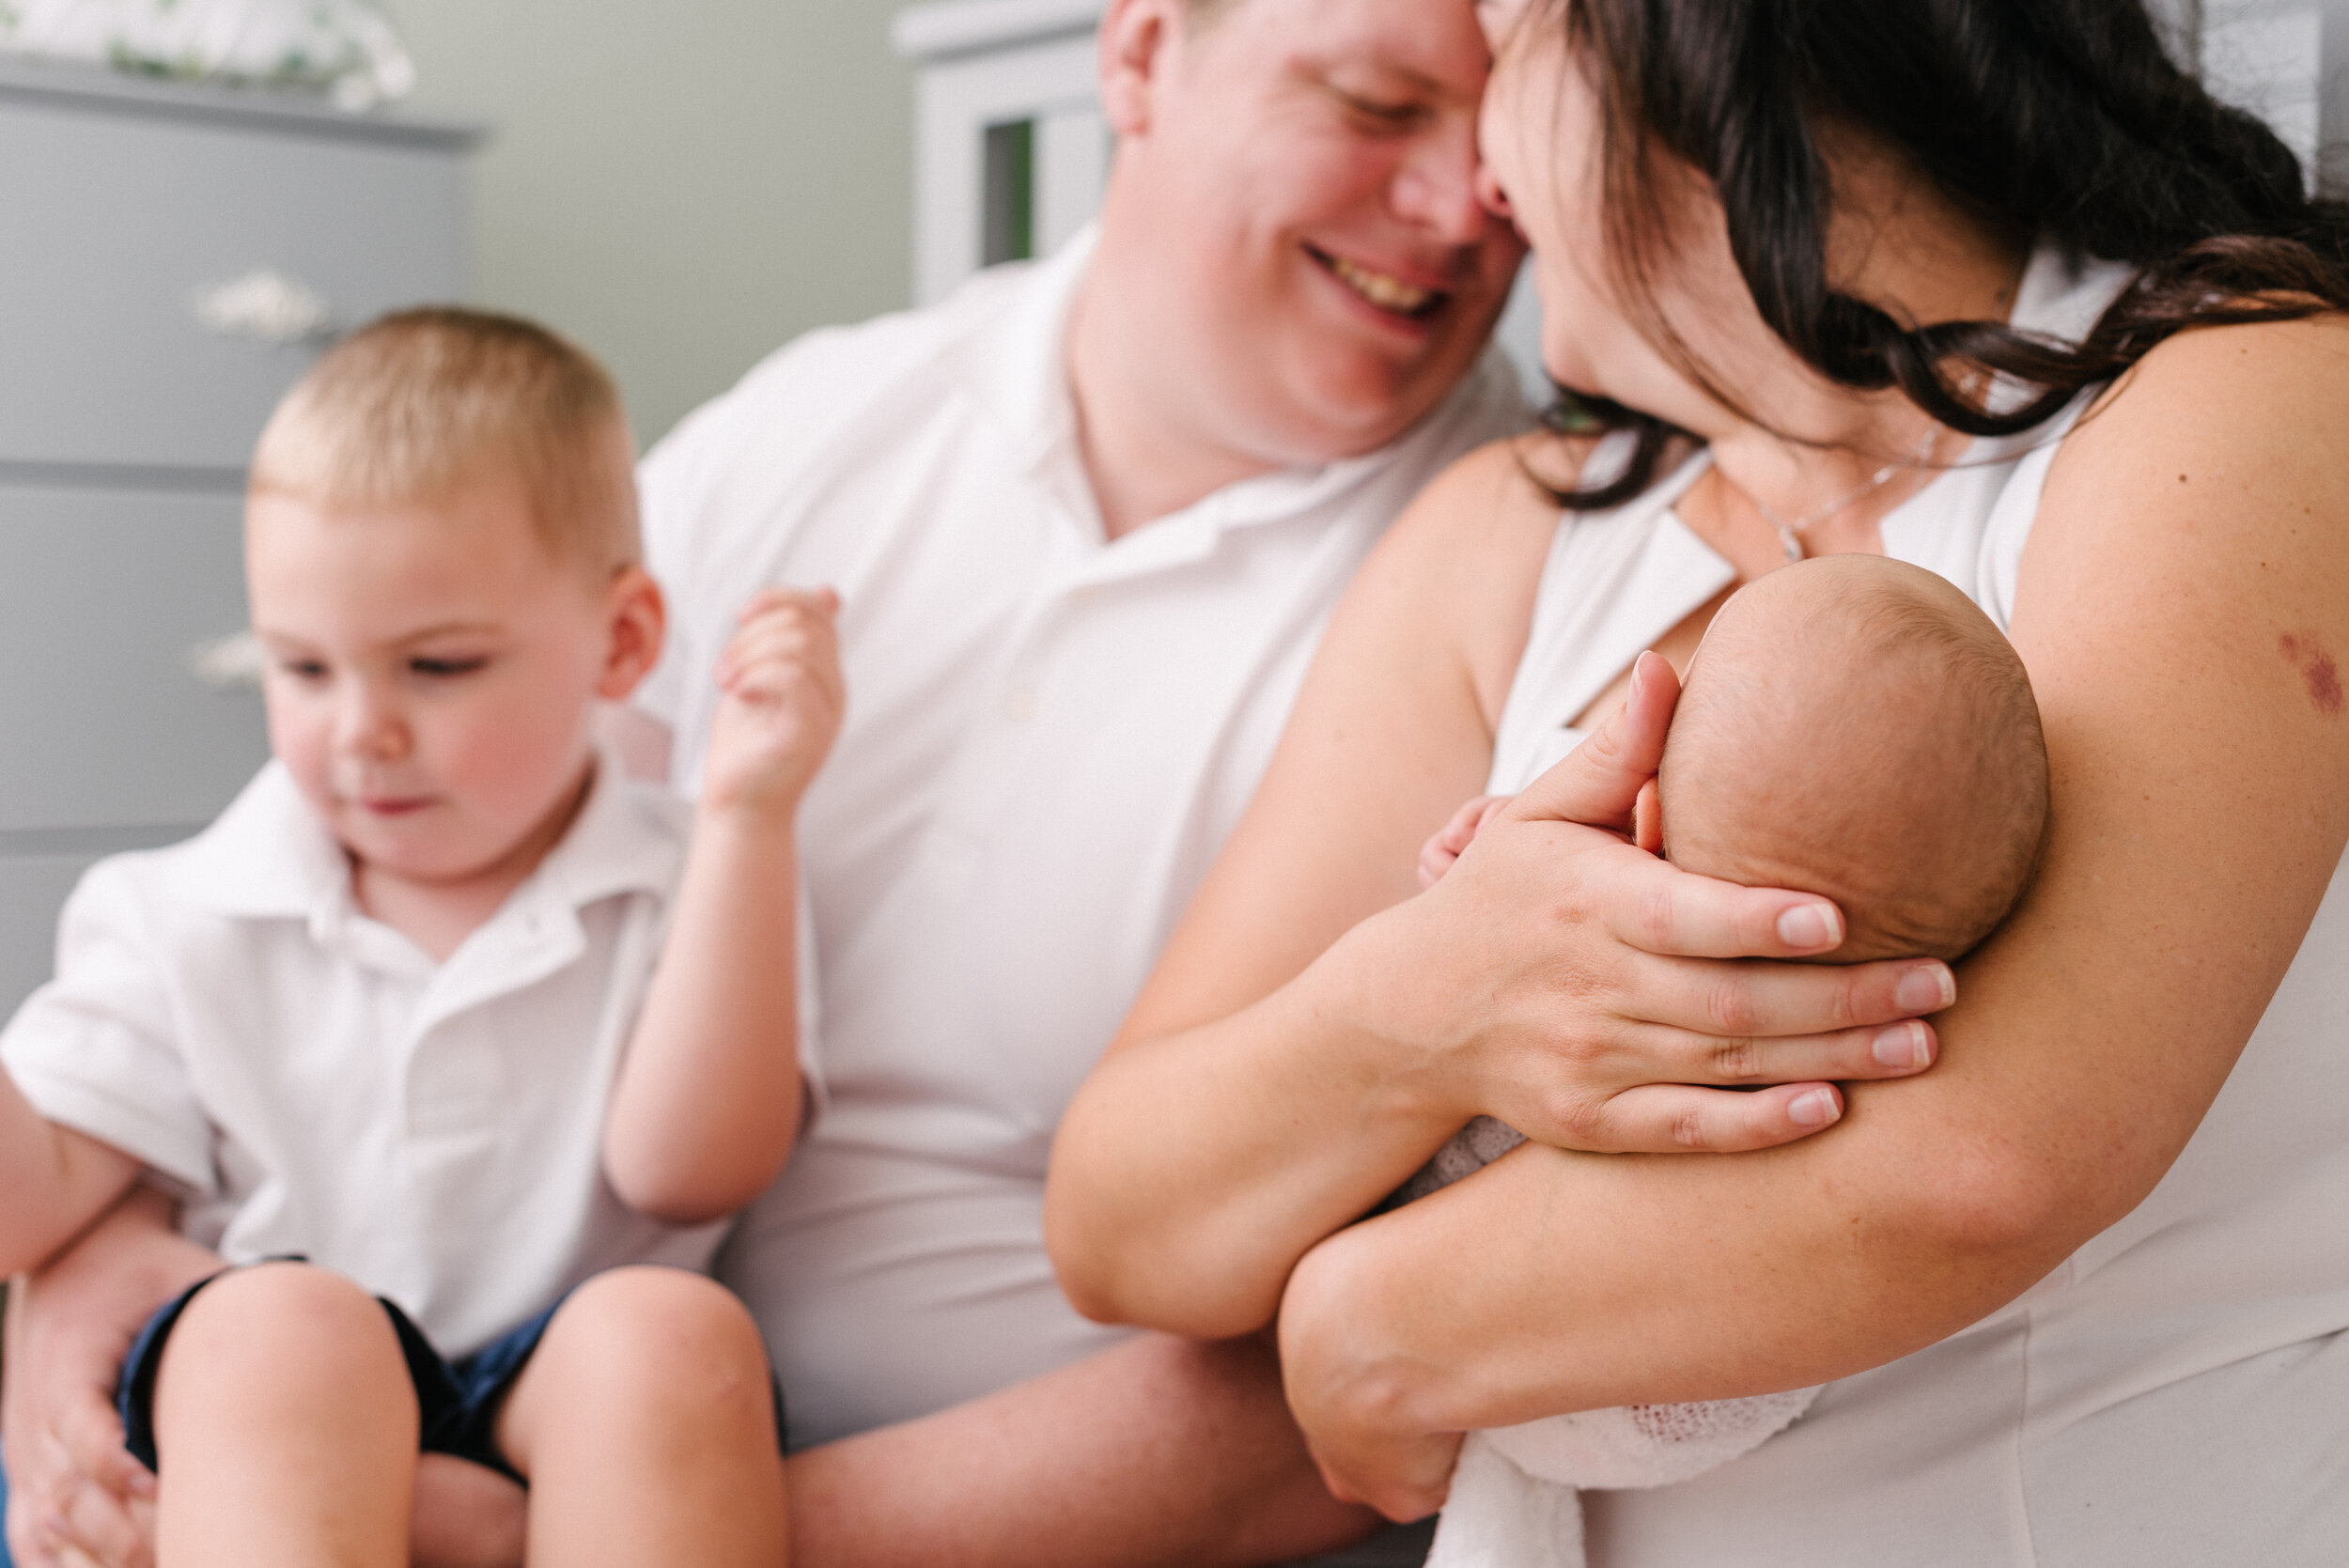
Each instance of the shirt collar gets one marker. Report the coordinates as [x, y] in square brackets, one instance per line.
[1017, 370]
[268, 856]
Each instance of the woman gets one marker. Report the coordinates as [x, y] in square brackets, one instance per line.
[1992, 286]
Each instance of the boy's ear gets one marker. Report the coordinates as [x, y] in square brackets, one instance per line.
[638, 619]
[1647, 819]
[1133, 43]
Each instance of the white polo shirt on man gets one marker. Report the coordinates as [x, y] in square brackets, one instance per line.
[312, 1082]
[1047, 739]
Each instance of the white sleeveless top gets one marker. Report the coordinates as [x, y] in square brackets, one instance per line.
[2177, 1391]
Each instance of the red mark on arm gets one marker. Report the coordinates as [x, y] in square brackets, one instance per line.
[2316, 668]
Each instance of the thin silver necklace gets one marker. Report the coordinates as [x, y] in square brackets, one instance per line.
[1790, 533]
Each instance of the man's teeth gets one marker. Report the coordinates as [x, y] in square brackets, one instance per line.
[1386, 293]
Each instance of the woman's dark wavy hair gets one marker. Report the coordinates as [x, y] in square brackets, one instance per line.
[2059, 122]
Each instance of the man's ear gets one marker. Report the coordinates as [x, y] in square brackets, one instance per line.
[1647, 819]
[638, 618]
[1137, 42]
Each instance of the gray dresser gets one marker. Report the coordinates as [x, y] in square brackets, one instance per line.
[170, 258]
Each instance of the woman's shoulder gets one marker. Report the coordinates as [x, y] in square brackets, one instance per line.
[2224, 432]
[2247, 389]
[1495, 496]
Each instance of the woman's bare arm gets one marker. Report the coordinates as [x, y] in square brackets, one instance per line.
[2200, 768]
[1265, 1092]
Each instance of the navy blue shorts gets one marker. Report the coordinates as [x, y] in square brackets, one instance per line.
[459, 1400]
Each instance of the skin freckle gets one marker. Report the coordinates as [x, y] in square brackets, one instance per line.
[2325, 686]
[2317, 670]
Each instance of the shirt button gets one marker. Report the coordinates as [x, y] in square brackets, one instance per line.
[1019, 705]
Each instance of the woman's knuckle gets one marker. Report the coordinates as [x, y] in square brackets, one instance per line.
[1737, 1060]
[1583, 1122]
[1657, 920]
[1690, 1130]
[1728, 1006]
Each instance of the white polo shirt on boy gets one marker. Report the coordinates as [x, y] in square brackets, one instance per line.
[1048, 737]
[312, 1082]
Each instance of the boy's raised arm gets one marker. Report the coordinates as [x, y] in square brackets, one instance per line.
[709, 1099]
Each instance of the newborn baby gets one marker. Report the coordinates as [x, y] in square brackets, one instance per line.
[1851, 726]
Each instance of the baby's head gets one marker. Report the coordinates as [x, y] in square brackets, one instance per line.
[441, 545]
[1854, 727]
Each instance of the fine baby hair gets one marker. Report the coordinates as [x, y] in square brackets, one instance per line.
[1854, 726]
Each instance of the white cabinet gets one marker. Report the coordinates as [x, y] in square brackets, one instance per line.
[1010, 149]
[172, 257]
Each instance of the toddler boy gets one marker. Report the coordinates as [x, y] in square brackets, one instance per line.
[373, 1026]
[1851, 726]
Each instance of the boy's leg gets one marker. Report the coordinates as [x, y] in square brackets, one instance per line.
[644, 1424]
[287, 1426]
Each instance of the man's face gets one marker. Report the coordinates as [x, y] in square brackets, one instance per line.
[1295, 199]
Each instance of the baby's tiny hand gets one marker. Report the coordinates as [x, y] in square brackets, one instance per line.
[783, 699]
[1436, 855]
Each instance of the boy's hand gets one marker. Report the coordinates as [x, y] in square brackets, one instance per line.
[1436, 855]
[782, 705]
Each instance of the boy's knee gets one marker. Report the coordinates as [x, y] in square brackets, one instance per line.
[663, 1335]
[283, 1323]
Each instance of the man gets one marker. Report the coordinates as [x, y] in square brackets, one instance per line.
[1087, 520]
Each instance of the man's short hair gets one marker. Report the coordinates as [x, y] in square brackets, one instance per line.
[420, 403]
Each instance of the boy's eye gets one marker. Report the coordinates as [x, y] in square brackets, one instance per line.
[443, 669]
[303, 669]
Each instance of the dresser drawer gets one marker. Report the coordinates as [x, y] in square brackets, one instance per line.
[116, 224]
[103, 597]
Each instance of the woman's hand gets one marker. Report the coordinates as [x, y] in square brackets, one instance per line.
[1594, 996]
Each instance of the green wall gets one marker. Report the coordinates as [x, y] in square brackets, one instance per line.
[682, 185]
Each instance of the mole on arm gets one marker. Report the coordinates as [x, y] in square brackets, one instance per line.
[2316, 668]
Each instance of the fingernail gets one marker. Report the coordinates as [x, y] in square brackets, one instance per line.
[1903, 1046]
[1813, 1110]
[1927, 988]
[1639, 676]
[1810, 926]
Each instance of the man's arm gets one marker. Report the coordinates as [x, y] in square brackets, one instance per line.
[71, 1484]
[1157, 1452]
[57, 1181]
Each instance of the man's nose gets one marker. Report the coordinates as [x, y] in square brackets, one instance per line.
[1441, 187]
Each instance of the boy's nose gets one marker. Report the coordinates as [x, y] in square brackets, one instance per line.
[371, 727]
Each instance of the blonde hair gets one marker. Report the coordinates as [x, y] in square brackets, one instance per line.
[420, 403]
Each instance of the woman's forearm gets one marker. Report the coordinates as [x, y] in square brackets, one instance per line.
[1218, 1156]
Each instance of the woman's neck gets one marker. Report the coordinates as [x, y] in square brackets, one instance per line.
[1833, 461]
